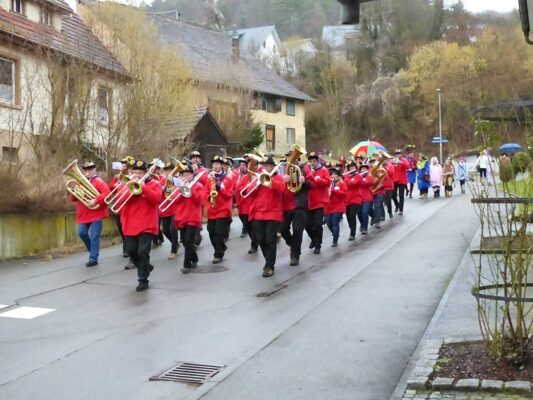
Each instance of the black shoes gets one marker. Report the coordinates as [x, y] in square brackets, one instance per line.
[312, 245]
[130, 266]
[91, 263]
[351, 238]
[294, 261]
[334, 244]
[400, 213]
[363, 232]
[317, 250]
[217, 260]
[390, 215]
[194, 265]
[376, 225]
[243, 235]
[125, 255]
[141, 287]
[185, 270]
[268, 272]
[252, 250]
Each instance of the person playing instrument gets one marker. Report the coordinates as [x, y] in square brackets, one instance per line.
[378, 192]
[189, 218]
[353, 199]
[199, 168]
[243, 207]
[156, 175]
[364, 181]
[337, 204]
[318, 199]
[140, 222]
[167, 217]
[388, 186]
[448, 173]
[268, 215]
[228, 169]
[401, 165]
[90, 218]
[244, 204]
[295, 208]
[219, 198]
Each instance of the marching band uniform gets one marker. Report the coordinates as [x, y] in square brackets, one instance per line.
[295, 206]
[126, 163]
[337, 204]
[318, 199]
[401, 165]
[364, 181]
[388, 185]
[189, 221]
[140, 222]
[243, 208]
[268, 215]
[353, 199]
[167, 217]
[244, 205]
[411, 172]
[219, 208]
[90, 221]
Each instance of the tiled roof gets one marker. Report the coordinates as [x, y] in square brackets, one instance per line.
[183, 124]
[251, 39]
[75, 39]
[210, 55]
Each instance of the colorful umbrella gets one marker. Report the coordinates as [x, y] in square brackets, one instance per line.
[368, 147]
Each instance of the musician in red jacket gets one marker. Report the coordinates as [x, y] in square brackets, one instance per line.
[388, 185]
[189, 219]
[90, 218]
[219, 200]
[244, 204]
[268, 215]
[364, 181]
[140, 222]
[401, 166]
[337, 204]
[353, 198]
[167, 217]
[318, 199]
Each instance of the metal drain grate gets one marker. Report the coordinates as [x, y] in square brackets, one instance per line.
[189, 373]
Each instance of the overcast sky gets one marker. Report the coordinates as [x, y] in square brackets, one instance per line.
[496, 5]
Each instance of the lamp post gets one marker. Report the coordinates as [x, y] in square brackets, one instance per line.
[440, 124]
[526, 17]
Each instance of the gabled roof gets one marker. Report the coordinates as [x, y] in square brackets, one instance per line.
[179, 127]
[335, 36]
[251, 39]
[210, 55]
[75, 39]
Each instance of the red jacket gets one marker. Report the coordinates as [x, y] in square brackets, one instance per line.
[337, 198]
[85, 215]
[364, 183]
[141, 213]
[352, 190]
[388, 183]
[400, 171]
[189, 209]
[288, 199]
[319, 192]
[243, 203]
[268, 200]
[224, 200]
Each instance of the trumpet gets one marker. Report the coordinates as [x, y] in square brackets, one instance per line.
[184, 190]
[127, 191]
[79, 186]
[169, 185]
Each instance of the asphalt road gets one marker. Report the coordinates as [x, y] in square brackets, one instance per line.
[342, 325]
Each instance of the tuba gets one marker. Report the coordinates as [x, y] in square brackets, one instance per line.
[293, 170]
[379, 173]
[79, 186]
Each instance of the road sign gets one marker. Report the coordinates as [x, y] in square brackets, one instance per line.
[439, 140]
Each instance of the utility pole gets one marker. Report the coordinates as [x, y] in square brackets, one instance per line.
[440, 124]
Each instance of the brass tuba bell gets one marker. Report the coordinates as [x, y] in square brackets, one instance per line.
[293, 170]
[79, 186]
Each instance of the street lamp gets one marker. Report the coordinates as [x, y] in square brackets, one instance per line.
[526, 16]
[440, 124]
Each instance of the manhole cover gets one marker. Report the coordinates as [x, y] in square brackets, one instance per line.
[211, 269]
[188, 373]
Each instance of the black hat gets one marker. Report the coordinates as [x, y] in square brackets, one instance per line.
[188, 168]
[242, 161]
[88, 165]
[139, 165]
[287, 154]
[398, 151]
[312, 156]
[334, 171]
[328, 164]
[168, 166]
[228, 161]
[129, 160]
[363, 166]
[269, 161]
[352, 164]
[217, 159]
[195, 153]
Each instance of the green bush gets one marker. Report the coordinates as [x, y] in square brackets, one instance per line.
[520, 162]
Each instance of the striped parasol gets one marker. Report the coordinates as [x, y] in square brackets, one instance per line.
[366, 148]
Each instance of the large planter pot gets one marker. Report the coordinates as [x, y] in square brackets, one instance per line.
[24, 235]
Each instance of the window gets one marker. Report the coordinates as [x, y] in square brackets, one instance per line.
[291, 107]
[271, 103]
[291, 136]
[46, 17]
[7, 81]
[270, 136]
[10, 154]
[16, 6]
[103, 103]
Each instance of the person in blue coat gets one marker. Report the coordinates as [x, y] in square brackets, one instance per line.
[422, 176]
[462, 174]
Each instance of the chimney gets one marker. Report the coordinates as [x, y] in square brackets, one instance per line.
[235, 45]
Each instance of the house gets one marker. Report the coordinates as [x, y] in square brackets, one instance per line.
[223, 76]
[47, 57]
[334, 37]
[296, 52]
[260, 42]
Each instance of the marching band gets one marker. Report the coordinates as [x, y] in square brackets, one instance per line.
[272, 199]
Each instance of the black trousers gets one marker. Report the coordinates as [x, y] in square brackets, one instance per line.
[188, 234]
[352, 211]
[296, 219]
[388, 200]
[116, 217]
[159, 239]
[267, 237]
[313, 227]
[138, 248]
[248, 227]
[170, 231]
[217, 229]
[399, 195]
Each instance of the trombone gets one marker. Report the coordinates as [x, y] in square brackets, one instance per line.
[127, 191]
[263, 178]
[184, 190]
[79, 186]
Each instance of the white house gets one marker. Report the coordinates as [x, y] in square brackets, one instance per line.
[261, 42]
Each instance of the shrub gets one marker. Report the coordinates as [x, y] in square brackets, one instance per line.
[520, 162]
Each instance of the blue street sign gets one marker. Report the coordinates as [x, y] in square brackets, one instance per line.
[438, 140]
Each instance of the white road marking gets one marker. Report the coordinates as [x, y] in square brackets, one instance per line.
[26, 312]
[3, 306]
